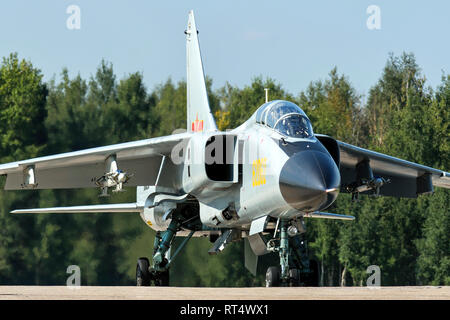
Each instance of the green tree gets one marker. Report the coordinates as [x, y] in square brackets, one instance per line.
[334, 108]
[22, 109]
[434, 259]
[433, 263]
[170, 108]
[22, 135]
[390, 94]
[132, 117]
[401, 125]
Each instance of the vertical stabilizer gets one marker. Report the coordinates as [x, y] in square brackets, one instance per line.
[199, 116]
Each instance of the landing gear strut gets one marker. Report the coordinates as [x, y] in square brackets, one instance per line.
[158, 271]
[295, 269]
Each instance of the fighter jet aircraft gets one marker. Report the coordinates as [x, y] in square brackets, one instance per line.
[255, 183]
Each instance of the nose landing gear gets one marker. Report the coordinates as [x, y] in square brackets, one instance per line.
[295, 268]
[144, 277]
[158, 272]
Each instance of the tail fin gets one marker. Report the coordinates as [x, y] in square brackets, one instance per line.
[199, 116]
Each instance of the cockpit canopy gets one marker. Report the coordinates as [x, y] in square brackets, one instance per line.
[286, 118]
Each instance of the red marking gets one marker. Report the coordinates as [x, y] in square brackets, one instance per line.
[197, 125]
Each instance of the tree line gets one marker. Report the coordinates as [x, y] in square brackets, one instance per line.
[402, 116]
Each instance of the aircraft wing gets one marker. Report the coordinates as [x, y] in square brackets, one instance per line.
[405, 179]
[141, 159]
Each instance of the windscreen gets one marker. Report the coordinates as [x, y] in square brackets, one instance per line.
[295, 126]
[280, 109]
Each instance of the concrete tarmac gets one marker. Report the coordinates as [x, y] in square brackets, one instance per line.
[185, 293]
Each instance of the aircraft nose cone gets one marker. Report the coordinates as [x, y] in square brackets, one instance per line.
[310, 180]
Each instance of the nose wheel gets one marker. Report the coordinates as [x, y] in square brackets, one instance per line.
[145, 275]
[295, 268]
[273, 277]
[142, 272]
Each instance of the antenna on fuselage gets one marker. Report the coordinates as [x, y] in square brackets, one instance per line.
[267, 94]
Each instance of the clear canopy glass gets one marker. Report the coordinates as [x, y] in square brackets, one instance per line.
[295, 126]
[286, 118]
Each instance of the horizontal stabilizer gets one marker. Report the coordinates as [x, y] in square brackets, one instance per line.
[327, 215]
[101, 208]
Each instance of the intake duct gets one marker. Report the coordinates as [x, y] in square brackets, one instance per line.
[332, 147]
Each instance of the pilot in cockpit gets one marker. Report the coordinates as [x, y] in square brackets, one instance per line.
[294, 125]
[286, 118]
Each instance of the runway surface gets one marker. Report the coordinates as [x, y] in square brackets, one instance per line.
[179, 293]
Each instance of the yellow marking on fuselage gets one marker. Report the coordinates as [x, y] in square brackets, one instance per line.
[259, 172]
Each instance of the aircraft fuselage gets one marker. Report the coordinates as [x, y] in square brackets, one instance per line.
[269, 174]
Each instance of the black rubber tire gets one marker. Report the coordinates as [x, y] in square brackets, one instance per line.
[162, 279]
[142, 273]
[273, 277]
[294, 277]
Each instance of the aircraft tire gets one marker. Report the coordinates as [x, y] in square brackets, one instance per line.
[142, 273]
[273, 277]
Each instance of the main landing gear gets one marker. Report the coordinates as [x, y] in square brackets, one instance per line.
[295, 267]
[158, 271]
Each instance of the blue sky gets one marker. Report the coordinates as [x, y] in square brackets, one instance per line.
[293, 42]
